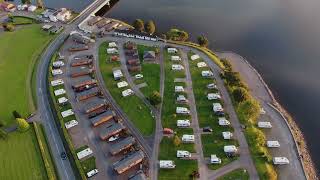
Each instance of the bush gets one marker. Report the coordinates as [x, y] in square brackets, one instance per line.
[203, 41]
[3, 134]
[8, 27]
[150, 27]
[155, 98]
[23, 125]
[16, 114]
[250, 110]
[138, 25]
[227, 65]
[176, 141]
[177, 35]
[270, 174]
[240, 94]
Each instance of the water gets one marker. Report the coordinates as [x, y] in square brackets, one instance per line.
[281, 38]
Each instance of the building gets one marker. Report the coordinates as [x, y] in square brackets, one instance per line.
[47, 27]
[64, 15]
[149, 56]
[102, 118]
[102, 23]
[214, 159]
[46, 13]
[107, 132]
[88, 94]
[167, 164]
[81, 62]
[122, 145]
[7, 7]
[93, 20]
[128, 162]
[80, 71]
[183, 154]
[186, 138]
[94, 106]
[133, 34]
[83, 84]
[138, 176]
[183, 123]
[32, 8]
[79, 38]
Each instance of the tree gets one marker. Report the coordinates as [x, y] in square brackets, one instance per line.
[203, 41]
[177, 35]
[3, 134]
[232, 78]
[26, 1]
[250, 109]
[138, 25]
[176, 140]
[8, 26]
[155, 98]
[23, 125]
[16, 114]
[150, 27]
[157, 50]
[40, 4]
[240, 94]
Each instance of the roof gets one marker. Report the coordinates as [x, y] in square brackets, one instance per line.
[89, 91]
[78, 80]
[139, 176]
[129, 160]
[80, 69]
[109, 130]
[121, 145]
[149, 55]
[100, 116]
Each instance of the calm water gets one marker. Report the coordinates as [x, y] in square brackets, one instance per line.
[281, 38]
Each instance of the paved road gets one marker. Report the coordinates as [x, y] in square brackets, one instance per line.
[55, 142]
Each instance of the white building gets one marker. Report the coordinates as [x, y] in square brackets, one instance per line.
[59, 92]
[212, 86]
[273, 144]
[206, 73]
[32, 8]
[216, 107]
[175, 58]
[127, 92]
[56, 72]
[264, 124]
[22, 7]
[178, 89]
[177, 67]
[223, 121]
[214, 159]
[213, 96]
[182, 110]
[230, 149]
[62, 100]
[64, 15]
[84, 153]
[280, 160]
[57, 82]
[112, 45]
[201, 64]
[195, 57]
[183, 154]
[58, 64]
[53, 17]
[172, 50]
[227, 135]
[183, 123]
[187, 138]
[71, 124]
[117, 74]
[122, 84]
[112, 51]
[167, 164]
[67, 113]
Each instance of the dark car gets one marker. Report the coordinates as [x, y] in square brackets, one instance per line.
[207, 129]
[63, 155]
[220, 113]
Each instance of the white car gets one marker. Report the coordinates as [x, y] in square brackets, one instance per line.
[92, 173]
[138, 76]
[113, 138]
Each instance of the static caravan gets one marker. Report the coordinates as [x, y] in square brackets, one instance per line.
[213, 96]
[227, 135]
[127, 92]
[177, 67]
[273, 144]
[223, 121]
[57, 64]
[230, 149]
[216, 107]
[117, 74]
[172, 50]
[84, 84]
[178, 89]
[57, 82]
[214, 159]
[112, 45]
[62, 100]
[91, 107]
[183, 123]
[81, 62]
[183, 154]
[122, 84]
[71, 124]
[128, 162]
[195, 57]
[201, 64]
[206, 73]
[182, 99]
[112, 51]
[56, 72]
[182, 110]
[212, 86]
[186, 138]
[167, 164]
[280, 160]
[175, 58]
[67, 113]
[59, 92]
[80, 71]
[112, 130]
[84, 153]
[122, 145]
[102, 118]
[264, 124]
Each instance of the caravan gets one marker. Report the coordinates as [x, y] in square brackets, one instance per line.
[183, 123]
[183, 154]
[214, 159]
[172, 50]
[207, 73]
[178, 89]
[182, 110]
[273, 144]
[264, 124]
[175, 58]
[227, 135]
[223, 121]
[213, 96]
[280, 161]
[186, 138]
[177, 67]
[167, 164]
[57, 82]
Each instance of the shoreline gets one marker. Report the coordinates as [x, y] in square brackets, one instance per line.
[298, 137]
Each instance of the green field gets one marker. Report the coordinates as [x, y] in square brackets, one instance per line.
[134, 107]
[20, 157]
[19, 20]
[18, 53]
[212, 143]
[238, 174]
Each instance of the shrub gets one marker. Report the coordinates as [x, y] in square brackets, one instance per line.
[138, 25]
[176, 141]
[8, 27]
[177, 35]
[271, 174]
[23, 125]
[240, 94]
[203, 41]
[250, 110]
[150, 27]
[3, 134]
[16, 114]
[155, 98]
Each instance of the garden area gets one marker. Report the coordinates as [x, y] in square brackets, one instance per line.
[134, 107]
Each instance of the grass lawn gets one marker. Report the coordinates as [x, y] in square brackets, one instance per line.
[16, 67]
[151, 75]
[134, 107]
[18, 20]
[20, 157]
[238, 174]
[212, 143]
[88, 164]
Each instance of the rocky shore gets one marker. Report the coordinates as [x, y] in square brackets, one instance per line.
[261, 91]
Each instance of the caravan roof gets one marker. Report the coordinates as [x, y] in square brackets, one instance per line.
[264, 124]
[181, 154]
[217, 107]
[195, 57]
[272, 144]
[59, 92]
[57, 82]
[178, 89]
[71, 124]
[227, 135]
[201, 64]
[230, 149]
[175, 58]
[122, 84]
[223, 121]
[187, 138]
[167, 164]
[183, 123]
[280, 160]
[213, 96]
[214, 159]
[62, 100]
[84, 153]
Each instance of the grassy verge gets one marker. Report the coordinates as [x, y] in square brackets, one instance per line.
[45, 152]
[134, 107]
[20, 159]
[212, 143]
[89, 164]
[75, 163]
[18, 65]
[238, 174]
[168, 149]
[21, 20]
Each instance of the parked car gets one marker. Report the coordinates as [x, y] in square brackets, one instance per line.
[63, 155]
[207, 129]
[139, 76]
[219, 113]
